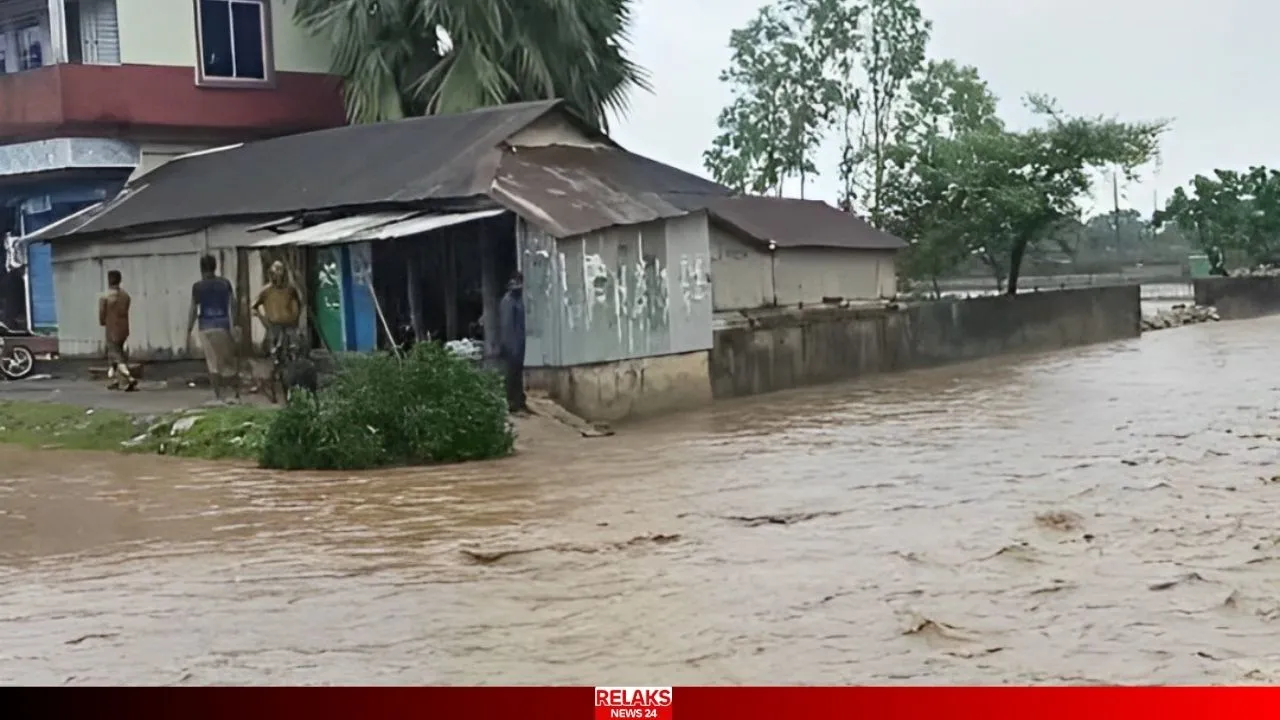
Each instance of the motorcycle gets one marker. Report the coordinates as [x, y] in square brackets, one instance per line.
[16, 359]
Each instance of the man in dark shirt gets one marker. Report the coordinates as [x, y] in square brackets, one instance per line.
[113, 316]
[213, 305]
[511, 348]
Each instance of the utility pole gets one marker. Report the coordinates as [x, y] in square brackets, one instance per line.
[1115, 199]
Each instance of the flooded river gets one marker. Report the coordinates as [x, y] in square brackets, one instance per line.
[1105, 515]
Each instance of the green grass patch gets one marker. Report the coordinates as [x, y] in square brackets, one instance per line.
[428, 407]
[52, 425]
[224, 433]
[234, 432]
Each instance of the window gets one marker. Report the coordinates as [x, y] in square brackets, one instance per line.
[235, 45]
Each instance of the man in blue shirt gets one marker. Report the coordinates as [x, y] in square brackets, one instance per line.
[213, 303]
[511, 346]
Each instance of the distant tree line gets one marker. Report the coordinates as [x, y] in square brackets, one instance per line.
[924, 152]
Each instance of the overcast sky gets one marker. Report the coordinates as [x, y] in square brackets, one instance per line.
[1209, 66]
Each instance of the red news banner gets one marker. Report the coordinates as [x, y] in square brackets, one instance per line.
[633, 703]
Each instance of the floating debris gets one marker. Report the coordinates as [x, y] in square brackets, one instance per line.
[484, 556]
[1061, 520]
[780, 518]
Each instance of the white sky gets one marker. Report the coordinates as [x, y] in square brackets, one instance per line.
[1209, 66]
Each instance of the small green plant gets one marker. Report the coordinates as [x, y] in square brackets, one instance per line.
[429, 407]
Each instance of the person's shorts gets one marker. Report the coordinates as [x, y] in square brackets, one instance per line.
[279, 333]
[116, 354]
[219, 352]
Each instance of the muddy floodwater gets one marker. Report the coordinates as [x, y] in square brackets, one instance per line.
[1104, 515]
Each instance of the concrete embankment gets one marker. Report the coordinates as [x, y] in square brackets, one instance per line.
[1240, 298]
[766, 351]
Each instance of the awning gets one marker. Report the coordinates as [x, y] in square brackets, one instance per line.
[423, 223]
[272, 224]
[332, 232]
[375, 226]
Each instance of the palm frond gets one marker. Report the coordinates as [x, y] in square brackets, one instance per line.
[498, 51]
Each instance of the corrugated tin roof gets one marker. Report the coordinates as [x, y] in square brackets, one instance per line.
[440, 157]
[332, 232]
[788, 222]
[423, 223]
[373, 226]
[573, 190]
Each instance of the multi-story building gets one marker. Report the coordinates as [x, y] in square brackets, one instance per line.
[94, 92]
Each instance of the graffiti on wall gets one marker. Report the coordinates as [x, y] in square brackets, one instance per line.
[694, 281]
[361, 265]
[611, 295]
[630, 296]
[329, 277]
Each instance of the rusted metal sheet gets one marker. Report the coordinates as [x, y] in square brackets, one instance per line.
[569, 191]
[790, 222]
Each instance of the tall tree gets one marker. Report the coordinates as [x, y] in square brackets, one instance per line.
[895, 35]
[1004, 191]
[784, 94]
[403, 58]
[944, 102]
[1236, 211]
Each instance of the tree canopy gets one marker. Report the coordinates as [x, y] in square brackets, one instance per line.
[995, 193]
[1238, 212]
[404, 58]
[924, 153]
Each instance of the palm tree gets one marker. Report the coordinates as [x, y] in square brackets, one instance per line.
[403, 58]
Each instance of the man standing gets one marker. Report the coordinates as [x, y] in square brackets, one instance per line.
[213, 306]
[279, 308]
[113, 316]
[511, 348]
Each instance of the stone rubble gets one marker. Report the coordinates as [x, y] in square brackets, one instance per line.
[1259, 271]
[1179, 315]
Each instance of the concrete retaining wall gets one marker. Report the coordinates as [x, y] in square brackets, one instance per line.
[767, 351]
[1239, 298]
[627, 389]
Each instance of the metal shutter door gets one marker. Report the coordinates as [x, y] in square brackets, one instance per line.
[100, 32]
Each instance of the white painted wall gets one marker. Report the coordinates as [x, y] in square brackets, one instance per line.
[153, 155]
[551, 130]
[807, 275]
[745, 277]
[163, 32]
[158, 274]
[741, 275]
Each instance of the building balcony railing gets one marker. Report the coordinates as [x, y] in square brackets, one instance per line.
[62, 75]
[39, 33]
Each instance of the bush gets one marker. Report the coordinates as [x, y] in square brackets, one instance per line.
[429, 407]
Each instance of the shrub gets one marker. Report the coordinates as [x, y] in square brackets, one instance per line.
[428, 407]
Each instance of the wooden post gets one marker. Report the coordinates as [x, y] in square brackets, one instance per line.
[413, 285]
[244, 299]
[490, 291]
[450, 278]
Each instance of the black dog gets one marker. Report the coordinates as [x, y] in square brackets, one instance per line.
[292, 371]
[299, 374]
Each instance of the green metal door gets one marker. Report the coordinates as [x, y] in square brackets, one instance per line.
[328, 298]
[1199, 265]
